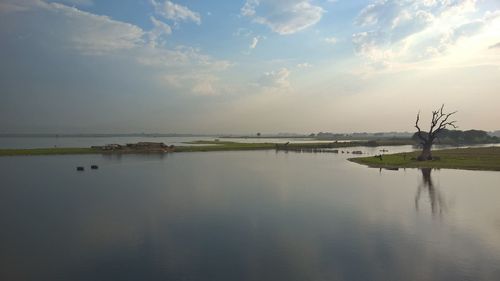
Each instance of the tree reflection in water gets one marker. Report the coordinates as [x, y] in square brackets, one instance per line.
[436, 199]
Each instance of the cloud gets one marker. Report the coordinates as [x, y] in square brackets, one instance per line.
[159, 31]
[377, 13]
[205, 86]
[407, 24]
[66, 29]
[453, 35]
[401, 32]
[248, 8]
[464, 30]
[369, 45]
[176, 12]
[457, 6]
[162, 27]
[90, 33]
[397, 19]
[495, 46]
[243, 32]
[275, 79]
[254, 43]
[331, 40]
[283, 17]
[77, 2]
[304, 65]
[198, 83]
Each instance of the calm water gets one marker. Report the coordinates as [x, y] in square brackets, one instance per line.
[244, 216]
[46, 142]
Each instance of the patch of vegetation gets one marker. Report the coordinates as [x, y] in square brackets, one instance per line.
[215, 145]
[222, 145]
[482, 158]
[232, 146]
[361, 136]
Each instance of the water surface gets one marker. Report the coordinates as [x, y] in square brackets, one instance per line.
[256, 215]
[49, 142]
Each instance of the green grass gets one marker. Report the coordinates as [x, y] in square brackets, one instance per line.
[47, 151]
[483, 158]
[204, 145]
[221, 146]
[235, 146]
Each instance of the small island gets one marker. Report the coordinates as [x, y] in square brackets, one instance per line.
[477, 158]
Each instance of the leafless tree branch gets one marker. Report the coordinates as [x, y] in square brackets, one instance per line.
[419, 133]
[439, 122]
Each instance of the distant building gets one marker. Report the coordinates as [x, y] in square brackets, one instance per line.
[139, 147]
[112, 146]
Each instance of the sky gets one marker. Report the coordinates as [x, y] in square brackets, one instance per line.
[269, 66]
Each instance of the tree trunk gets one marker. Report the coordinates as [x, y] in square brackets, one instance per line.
[426, 153]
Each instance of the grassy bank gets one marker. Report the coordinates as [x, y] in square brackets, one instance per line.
[235, 146]
[201, 146]
[483, 158]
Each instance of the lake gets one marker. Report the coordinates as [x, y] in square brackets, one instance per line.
[49, 142]
[256, 215]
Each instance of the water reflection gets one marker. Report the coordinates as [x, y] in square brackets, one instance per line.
[241, 216]
[436, 199]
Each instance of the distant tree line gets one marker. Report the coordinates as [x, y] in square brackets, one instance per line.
[360, 136]
[446, 136]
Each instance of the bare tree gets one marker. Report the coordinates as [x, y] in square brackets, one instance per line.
[439, 122]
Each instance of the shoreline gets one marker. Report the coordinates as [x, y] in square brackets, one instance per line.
[202, 146]
[477, 158]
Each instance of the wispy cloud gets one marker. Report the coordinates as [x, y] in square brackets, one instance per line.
[90, 33]
[283, 17]
[495, 46]
[159, 32]
[331, 40]
[304, 65]
[278, 79]
[77, 2]
[176, 12]
[254, 43]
